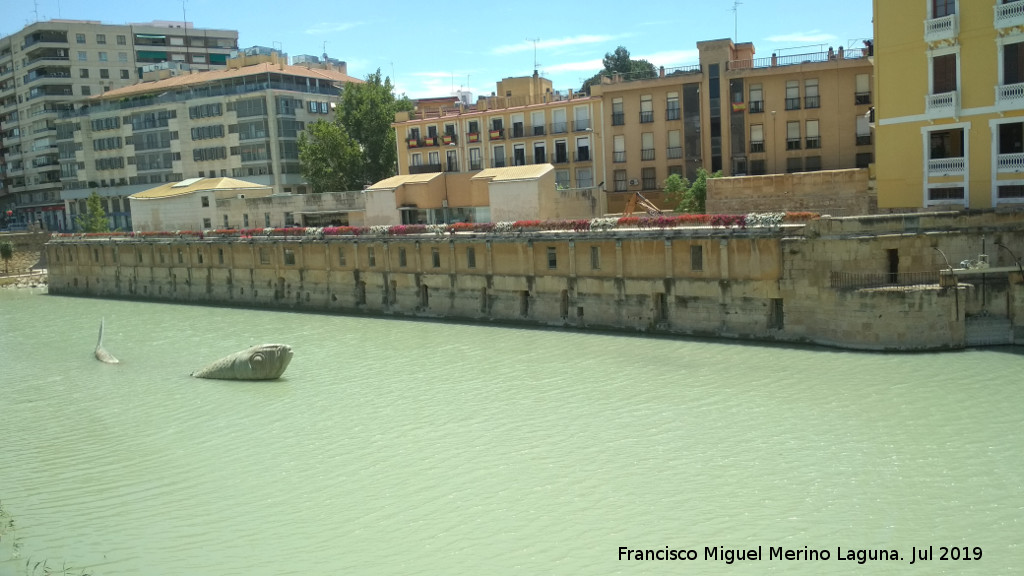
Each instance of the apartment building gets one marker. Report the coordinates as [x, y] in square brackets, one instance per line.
[242, 121]
[950, 115]
[524, 122]
[50, 68]
[738, 114]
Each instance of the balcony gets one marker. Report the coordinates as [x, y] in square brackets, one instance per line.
[476, 164]
[424, 168]
[582, 155]
[560, 158]
[430, 141]
[581, 125]
[672, 113]
[647, 117]
[497, 134]
[1010, 94]
[559, 127]
[792, 144]
[938, 167]
[472, 137]
[812, 102]
[619, 157]
[647, 154]
[674, 152]
[756, 106]
[1010, 163]
[815, 143]
[498, 163]
[1009, 15]
[944, 104]
[537, 130]
[618, 118]
[518, 131]
[449, 139]
[792, 103]
[943, 28]
[756, 146]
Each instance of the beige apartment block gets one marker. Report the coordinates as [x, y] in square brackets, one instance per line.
[734, 112]
[50, 69]
[242, 121]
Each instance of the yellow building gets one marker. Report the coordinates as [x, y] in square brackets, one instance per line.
[524, 123]
[950, 77]
[738, 114]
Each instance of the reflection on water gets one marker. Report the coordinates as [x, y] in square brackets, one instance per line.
[405, 447]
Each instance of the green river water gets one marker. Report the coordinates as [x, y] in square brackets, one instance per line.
[396, 447]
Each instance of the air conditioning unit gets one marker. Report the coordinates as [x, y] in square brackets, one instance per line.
[633, 182]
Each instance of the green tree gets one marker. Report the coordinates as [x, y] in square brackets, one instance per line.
[95, 218]
[366, 111]
[619, 62]
[6, 252]
[691, 197]
[675, 187]
[330, 159]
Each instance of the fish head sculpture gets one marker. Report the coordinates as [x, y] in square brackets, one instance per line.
[263, 362]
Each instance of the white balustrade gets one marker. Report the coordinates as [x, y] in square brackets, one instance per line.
[1010, 94]
[1009, 15]
[946, 166]
[943, 103]
[944, 28]
[1011, 162]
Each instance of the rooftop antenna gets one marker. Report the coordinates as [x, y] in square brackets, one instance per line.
[35, 9]
[184, 25]
[325, 50]
[736, 20]
[536, 64]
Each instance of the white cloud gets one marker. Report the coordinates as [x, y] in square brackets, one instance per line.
[556, 43]
[591, 66]
[328, 27]
[670, 58]
[812, 36]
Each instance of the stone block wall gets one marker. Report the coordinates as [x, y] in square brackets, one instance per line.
[834, 192]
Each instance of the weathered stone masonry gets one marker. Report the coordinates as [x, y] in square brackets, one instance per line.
[752, 284]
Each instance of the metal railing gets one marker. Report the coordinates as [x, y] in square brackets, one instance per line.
[618, 157]
[756, 146]
[672, 113]
[647, 154]
[674, 152]
[792, 103]
[856, 280]
[647, 117]
[618, 118]
[812, 102]
[795, 59]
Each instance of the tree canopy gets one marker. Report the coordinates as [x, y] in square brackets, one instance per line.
[95, 218]
[690, 197]
[358, 146]
[620, 62]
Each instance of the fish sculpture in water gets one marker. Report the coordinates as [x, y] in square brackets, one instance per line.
[101, 353]
[263, 362]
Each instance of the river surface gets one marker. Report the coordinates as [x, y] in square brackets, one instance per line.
[408, 447]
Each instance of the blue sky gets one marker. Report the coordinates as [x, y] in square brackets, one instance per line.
[432, 50]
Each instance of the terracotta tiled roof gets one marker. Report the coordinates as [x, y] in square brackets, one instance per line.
[187, 80]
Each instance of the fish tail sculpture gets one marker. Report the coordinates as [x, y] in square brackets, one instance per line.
[263, 362]
[101, 353]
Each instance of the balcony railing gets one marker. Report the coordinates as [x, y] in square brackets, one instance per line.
[621, 186]
[756, 146]
[538, 130]
[1010, 93]
[792, 103]
[476, 164]
[647, 117]
[1011, 162]
[812, 102]
[618, 118]
[580, 125]
[559, 127]
[618, 156]
[414, 142]
[943, 28]
[424, 168]
[672, 113]
[650, 183]
[862, 98]
[430, 141]
[863, 139]
[674, 152]
[497, 134]
[562, 158]
[944, 103]
[946, 167]
[647, 154]
[1009, 15]
[472, 137]
[756, 106]
[518, 131]
[498, 163]
[447, 139]
[792, 144]
[582, 155]
[813, 143]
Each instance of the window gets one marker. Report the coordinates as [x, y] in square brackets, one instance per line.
[552, 258]
[584, 178]
[371, 257]
[792, 95]
[121, 40]
[944, 74]
[475, 161]
[757, 167]
[537, 122]
[863, 131]
[756, 138]
[595, 257]
[794, 164]
[122, 57]
[83, 73]
[539, 153]
[104, 73]
[646, 109]
[619, 148]
[863, 90]
[103, 56]
[245, 220]
[264, 254]
[672, 106]
[944, 193]
[675, 148]
[812, 163]
[618, 116]
[81, 56]
[649, 178]
[696, 258]
[561, 179]
[756, 99]
[435, 257]
[498, 157]
[80, 38]
[619, 177]
[101, 38]
[647, 146]
[811, 99]
[86, 91]
[205, 201]
[1013, 63]
[583, 149]
[289, 257]
[864, 159]
[813, 140]
[942, 8]
[1011, 192]
[341, 256]
[124, 75]
[470, 257]
[792, 135]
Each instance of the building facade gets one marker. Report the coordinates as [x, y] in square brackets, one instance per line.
[50, 68]
[524, 123]
[240, 122]
[950, 115]
[738, 114]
